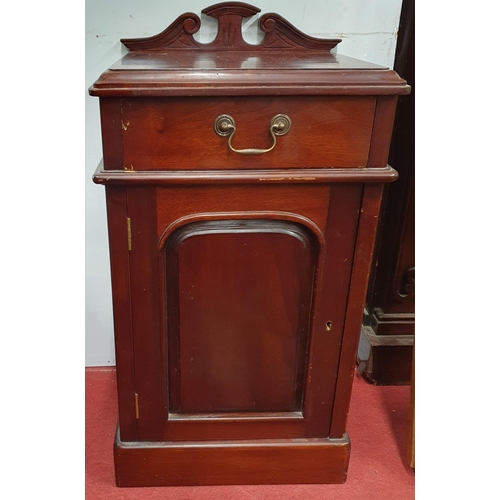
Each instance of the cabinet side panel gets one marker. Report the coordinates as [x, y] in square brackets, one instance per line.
[112, 132]
[367, 228]
[146, 312]
[116, 200]
[330, 310]
[382, 131]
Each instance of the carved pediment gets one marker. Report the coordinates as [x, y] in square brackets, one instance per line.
[279, 33]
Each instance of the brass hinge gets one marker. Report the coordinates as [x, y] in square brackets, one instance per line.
[136, 397]
[129, 234]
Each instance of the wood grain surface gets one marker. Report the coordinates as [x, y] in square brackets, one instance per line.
[171, 134]
[239, 280]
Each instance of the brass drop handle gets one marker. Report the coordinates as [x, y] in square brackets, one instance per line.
[225, 125]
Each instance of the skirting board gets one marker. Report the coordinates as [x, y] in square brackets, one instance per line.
[287, 461]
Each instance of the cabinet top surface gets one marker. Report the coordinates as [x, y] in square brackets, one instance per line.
[286, 61]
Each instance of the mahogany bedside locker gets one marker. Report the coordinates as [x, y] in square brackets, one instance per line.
[243, 185]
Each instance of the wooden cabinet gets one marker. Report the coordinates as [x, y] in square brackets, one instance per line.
[243, 187]
[386, 343]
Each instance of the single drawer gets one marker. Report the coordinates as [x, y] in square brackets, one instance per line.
[179, 134]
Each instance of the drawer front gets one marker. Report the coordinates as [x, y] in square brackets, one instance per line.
[178, 133]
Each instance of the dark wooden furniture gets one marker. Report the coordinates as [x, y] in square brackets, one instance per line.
[387, 337]
[243, 187]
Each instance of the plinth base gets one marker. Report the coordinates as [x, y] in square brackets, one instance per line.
[287, 461]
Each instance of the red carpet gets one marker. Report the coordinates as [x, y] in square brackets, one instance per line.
[378, 469]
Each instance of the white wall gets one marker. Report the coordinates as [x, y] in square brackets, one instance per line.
[368, 29]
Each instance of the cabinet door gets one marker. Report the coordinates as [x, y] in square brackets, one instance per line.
[238, 299]
[238, 296]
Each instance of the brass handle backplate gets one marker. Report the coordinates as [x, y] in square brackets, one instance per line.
[225, 125]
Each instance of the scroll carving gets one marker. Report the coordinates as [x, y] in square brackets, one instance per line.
[279, 33]
[407, 285]
[179, 35]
